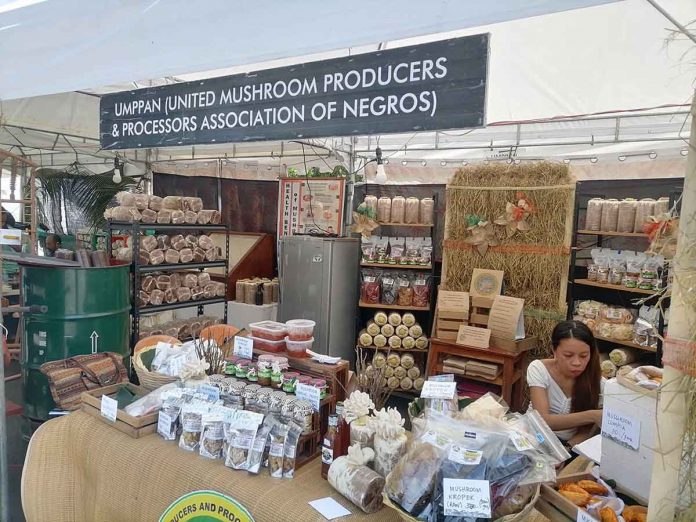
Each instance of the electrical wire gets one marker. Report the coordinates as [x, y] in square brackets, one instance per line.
[309, 188]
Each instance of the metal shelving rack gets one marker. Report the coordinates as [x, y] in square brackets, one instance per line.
[135, 230]
[421, 312]
[578, 285]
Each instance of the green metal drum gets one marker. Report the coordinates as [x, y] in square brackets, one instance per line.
[88, 312]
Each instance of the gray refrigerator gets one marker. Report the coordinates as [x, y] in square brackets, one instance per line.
[319, 281]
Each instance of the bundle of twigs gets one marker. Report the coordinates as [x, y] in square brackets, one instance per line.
[208, 350]
[371, 379]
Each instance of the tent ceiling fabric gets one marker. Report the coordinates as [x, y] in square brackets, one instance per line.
[609, 58]
[58, 39]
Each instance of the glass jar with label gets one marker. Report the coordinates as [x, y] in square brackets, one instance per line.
[242, 368]
[289, 381]
[276, 379]
[264, 373]
[303, 415]
[252, 373]
[287, 409]
[323, 387]
[304, 379]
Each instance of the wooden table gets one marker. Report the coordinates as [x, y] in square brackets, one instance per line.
[512, 379]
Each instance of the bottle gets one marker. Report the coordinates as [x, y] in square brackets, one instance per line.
[259, 294]
[327, 449]
[343, 430]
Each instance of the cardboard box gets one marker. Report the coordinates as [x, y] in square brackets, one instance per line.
[513, 346]
[134, 427]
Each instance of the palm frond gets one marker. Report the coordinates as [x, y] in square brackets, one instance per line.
[80, 188]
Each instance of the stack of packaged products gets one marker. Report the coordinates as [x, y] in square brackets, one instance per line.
[247, 426]
[395, 288]
[397, 250]
[178, 287]
[626, 268]
[397, 210]
[169, 249]
[182, 329]
[626, 216]
[257, 291]
[393, 331]
[177, 210]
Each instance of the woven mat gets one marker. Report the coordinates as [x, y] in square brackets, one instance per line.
[79, 469]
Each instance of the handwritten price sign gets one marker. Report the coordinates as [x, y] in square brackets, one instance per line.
[467, 497]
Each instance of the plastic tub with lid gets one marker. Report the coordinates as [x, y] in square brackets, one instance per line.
[267, 345]
[298, 348]
[300, 329]
[270, 330]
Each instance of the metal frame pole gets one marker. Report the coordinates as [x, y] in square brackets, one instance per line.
[4, 477]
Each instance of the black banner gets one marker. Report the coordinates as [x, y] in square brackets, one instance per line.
[439, 85]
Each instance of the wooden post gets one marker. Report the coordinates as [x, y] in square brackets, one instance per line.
[672, 407]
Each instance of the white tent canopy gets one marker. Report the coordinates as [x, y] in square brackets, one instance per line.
[549, 74]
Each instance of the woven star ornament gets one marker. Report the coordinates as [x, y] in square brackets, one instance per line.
[515, 217]
[482, 237]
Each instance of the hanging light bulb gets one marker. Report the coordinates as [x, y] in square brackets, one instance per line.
[381, 177]
[594, 159]
[424, 163]
[117, 172]
[622, 157]
[652, 155]
[684, 152]
[566, 160]
[404, 162]
[443, 163]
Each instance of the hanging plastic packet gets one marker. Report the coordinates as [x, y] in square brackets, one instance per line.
[389, 288]
[191, 426]
[276, 452]
[370, 287]
[548, 442]
[381, 249]
[239, 445]
[290, 450]
[426, 253]
[168, 420]
[413, 251]
[367, 246]
[396, 250]
[212, 436]
[255, 458]
[421, 290]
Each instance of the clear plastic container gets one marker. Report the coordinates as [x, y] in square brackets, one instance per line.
[269, 330]
[269, 346]
[298, 348]
[300, 329]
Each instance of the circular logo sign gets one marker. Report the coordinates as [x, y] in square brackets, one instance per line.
[206, 506]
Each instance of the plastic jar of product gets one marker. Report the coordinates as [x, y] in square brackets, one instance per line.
[276, 380]
[300, 329]
[398, 205]
[252, 373]
[264, 373]
[303, 415]
[298, 348]
[384, 210]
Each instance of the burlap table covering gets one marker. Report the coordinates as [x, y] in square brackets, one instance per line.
[78, 469]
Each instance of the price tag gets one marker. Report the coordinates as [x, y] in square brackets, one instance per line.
[438, 390]
[521, 441]
[210, 391]
[244, 347]
[465, 456]
[621, 428]
[310, 394]
[583, 516]
[164, 423]
[464, 497]
[109, 408]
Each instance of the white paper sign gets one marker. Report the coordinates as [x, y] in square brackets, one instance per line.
[109, 408]
[329, 508]
[621, 428]
[583, 516]
[438, 390]
[244, 347]
[212, 392]
[310, 394]
[445, 377]
[467, 497]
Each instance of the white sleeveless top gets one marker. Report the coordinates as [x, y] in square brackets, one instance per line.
[559, 404]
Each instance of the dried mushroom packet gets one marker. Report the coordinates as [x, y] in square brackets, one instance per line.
[212, 436]
[290, 450]
[191, 426]
[239, 446]
[258, 447]
[276, 451]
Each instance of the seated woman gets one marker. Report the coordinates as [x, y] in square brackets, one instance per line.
[566, 390]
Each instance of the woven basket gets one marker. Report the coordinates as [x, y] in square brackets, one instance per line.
[149, 380]
[517, 517]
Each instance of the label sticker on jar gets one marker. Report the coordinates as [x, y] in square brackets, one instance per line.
[465, 456]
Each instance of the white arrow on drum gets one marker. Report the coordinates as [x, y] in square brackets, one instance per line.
[95, 341]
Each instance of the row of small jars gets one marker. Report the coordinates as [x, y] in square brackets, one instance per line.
[262, 372]
[240, 395]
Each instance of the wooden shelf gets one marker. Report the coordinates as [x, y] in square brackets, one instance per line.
[415, 225]
[388, 349]
[406, 394]
[611, 234]
[618, 288]
[630, 344]
[396, 266]
[395, 307]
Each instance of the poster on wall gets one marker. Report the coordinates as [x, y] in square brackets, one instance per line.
[432, 86]
[310, 206]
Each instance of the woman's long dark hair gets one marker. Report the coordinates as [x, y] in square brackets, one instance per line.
[587, 386]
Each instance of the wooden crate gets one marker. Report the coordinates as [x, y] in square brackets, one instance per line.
[558, 501]
[134, 427]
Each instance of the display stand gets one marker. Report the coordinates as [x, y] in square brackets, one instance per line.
[512, 379]
[135, 230]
